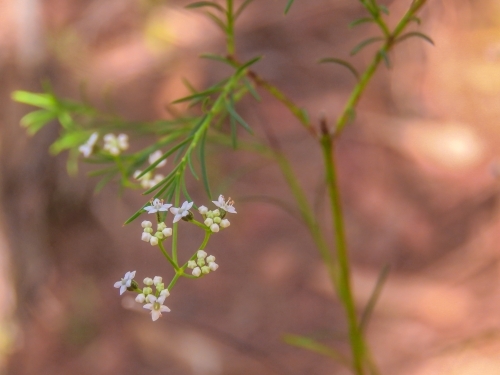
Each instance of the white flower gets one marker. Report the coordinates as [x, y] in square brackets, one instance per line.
[157, 206]
[140, 298]
[224, 223]
[181, 211]
[210, 258]
[156, 306]
[153, 241]
[201, 254]
[157, 280]
[87, 148]
[164, 293]
[196, 272]
[146, 224]
[214, 228]
[191, 264]
[148, 281]
[208, 221]
[146, 236]
[202, 210]
[167, 232]
[126, 282]
[114, 145]
[225, 205]
[155, 156]
[213, 266]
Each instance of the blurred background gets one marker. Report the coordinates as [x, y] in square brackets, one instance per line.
[417, 169]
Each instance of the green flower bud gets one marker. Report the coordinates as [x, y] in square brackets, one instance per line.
[205, 269]
[201, 262]
[217, 220]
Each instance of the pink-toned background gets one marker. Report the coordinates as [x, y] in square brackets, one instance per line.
[416, 170]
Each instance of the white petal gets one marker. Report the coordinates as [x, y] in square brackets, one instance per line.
[174, 210]
[123, 288]
[132, 274]
[151, 298]
[161, 299]
[155, 315]
[164, 309]
[148, 306]
[118, 284]
[177, 218]
[230, 209]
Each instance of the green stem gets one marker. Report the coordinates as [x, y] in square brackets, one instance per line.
[230, 28]
[174, 280]
[344, 276]
[176, 225]
[165, 254]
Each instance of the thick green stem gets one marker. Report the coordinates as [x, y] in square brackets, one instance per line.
[344, 275]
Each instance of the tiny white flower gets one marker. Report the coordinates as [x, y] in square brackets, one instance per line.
[224, 223]
[87, 148]
[202, 210]
[210, 259]
[181, 211]
[114, 145]
[148, 281]
[146, 224]
[157, 280]
[167, 232]
[156, 306]
[153, 241]
[146, 236]
[208, 221]
[140, 298]
[213, 266]
[196, 272]
[225, 205]
[191, 264]
[214, 228]
[155, 156]
[157, 206]
[201, 254]
[164, 293]
[126, 282]
[122, 141]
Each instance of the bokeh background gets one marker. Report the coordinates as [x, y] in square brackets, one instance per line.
[417, 170]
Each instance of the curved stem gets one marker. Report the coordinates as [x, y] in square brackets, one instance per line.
[165, 254]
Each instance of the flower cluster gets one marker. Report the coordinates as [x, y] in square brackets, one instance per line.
[154, 301]
[203, 264]
[112, 144]
[161, 232]
[149, 179]
[215, 219]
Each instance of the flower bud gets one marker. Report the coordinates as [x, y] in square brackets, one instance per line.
[167, 232]
[148, 281]
[217, 220]
[197, 272]
[213, 266]
[202, 210]
[201, 254]
[157, 280]
[153, 241]
[208, 221]
[201, 262]
[210, 214]
[133, 286]
[188, 217]
[147, 291]
[164, 293]
[145, 237]
[146, 224]
[148, 230]
[191, 264]
[205, 269]
[210, 258]
[159, 235]
[216, 212]
[214, 228]
[160, 287]
[225, 223]
[161, 226]
[140, 298]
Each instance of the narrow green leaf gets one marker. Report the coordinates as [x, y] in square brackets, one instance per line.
[288, 6]
[247, 64]
[242, 8]
[360, 21]
[232, 112]
[223, 59]
[416, 19]
[384, 55]
[365, 43]
[344, 63]
[201, 4]
[36, 120]
[137, 213]
[251, 89]
[168, 183]
[203, 164]
[164, 156]
[383, 9]
[104, 181]
[217, 21]
[234, 132]
[165, 181]
[185, 191]
[201, 94]
[191, 167]
[68, 140]
[415, 34]
[100, 172]
[367, 313]
[46, 101]
[316, 347]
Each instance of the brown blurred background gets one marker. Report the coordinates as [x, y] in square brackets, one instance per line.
[415, 169]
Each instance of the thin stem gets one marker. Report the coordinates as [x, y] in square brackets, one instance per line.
[344, 275]
[176, 225]
[230, 28]
[174, 280]
[165, 254]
